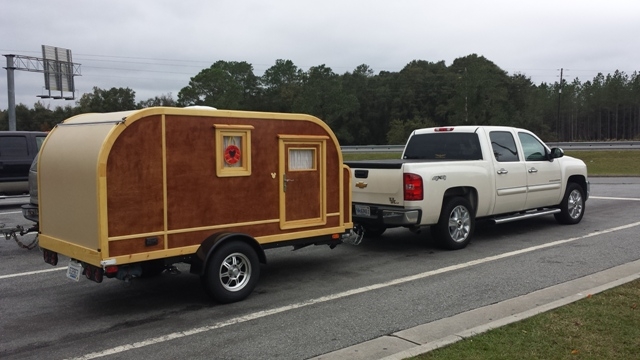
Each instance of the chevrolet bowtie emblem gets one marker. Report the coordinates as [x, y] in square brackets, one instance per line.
[361, 184]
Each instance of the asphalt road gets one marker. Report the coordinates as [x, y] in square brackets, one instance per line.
[311, 301]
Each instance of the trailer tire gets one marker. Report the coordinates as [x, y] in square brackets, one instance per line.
[231, 272]
[456, 224]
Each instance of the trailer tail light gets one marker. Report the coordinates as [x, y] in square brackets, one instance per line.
[50, 257]
[413, 189]
[111, 271]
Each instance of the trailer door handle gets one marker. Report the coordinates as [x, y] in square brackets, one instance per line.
[284, 182]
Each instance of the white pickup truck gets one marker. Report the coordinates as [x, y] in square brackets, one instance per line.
[450, 176]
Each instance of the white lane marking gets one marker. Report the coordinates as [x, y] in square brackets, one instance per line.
[612, 198]
[261, 314]
[11, 212]
[31, 273]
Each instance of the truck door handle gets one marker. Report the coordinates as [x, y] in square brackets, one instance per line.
[502, 171]
[533, 170]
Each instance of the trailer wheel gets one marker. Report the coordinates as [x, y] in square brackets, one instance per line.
[456, 224]
[232, 272]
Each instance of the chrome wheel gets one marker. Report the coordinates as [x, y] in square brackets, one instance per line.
[235, 272]
[572, 206]
[455, 226]
[459, 224]
[231, 272]
[575, 204]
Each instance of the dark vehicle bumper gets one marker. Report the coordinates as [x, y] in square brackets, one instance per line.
[386, 216]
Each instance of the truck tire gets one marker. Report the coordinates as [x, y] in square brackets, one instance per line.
[572, 206]
[456, 224]
[231, 272]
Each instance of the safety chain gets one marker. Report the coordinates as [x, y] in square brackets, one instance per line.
[11, 233]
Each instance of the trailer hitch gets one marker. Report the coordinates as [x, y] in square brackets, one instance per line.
[355, 235]
[11, 233]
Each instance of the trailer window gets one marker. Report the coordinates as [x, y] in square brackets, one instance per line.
[233, 150]
[302, 159]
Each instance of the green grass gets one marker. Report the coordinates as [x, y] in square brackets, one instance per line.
[602, 326]
[610, 162]
[599, 163]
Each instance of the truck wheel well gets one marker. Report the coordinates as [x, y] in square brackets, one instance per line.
[467, 192]
[580, 180]
[210, 244]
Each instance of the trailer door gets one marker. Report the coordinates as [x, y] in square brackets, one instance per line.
[302, 181]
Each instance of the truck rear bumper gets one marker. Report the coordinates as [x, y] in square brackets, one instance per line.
[385, 216]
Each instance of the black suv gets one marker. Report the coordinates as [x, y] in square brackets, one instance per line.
[17, 151]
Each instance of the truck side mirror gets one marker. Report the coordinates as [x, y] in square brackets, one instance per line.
[556, 153]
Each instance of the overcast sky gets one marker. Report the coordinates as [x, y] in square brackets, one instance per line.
[155, 47]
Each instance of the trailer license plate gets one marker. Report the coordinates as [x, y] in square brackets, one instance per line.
[363, 210]
[74, 270]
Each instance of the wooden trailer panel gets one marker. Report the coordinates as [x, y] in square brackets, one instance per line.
[201, 199]
[158, 181]
[135, 200]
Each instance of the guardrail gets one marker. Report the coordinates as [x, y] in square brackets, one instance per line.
[596, 145]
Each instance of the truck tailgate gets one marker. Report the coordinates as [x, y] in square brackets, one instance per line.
[377, 182]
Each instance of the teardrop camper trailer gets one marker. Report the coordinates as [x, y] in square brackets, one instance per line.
[127, 193]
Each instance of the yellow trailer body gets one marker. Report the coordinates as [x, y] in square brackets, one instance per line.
[173, 184]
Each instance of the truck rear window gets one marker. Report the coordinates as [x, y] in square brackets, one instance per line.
[444, 146]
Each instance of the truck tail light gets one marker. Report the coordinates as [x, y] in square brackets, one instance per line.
[443, 129]
[413, 189]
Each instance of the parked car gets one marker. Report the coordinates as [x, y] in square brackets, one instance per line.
[30, 210]
[17, 151]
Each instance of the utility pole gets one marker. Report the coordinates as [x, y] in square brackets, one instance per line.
[466, 95]
[558, 118]
[11, 92]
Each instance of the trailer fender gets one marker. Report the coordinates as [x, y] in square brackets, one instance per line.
[210, 244]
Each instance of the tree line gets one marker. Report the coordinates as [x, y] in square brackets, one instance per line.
[363, 108]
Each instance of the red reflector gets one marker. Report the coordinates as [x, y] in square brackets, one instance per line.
[443, 129]
[413, 189]
[335, 236]
[111, 269]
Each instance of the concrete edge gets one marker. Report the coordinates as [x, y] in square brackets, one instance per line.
[448, 340]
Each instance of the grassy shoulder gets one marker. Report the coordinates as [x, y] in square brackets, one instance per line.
[599, 163]
[601, 326]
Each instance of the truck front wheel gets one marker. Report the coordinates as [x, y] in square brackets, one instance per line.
[456, 224]
[572, 205]
[232, 272]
